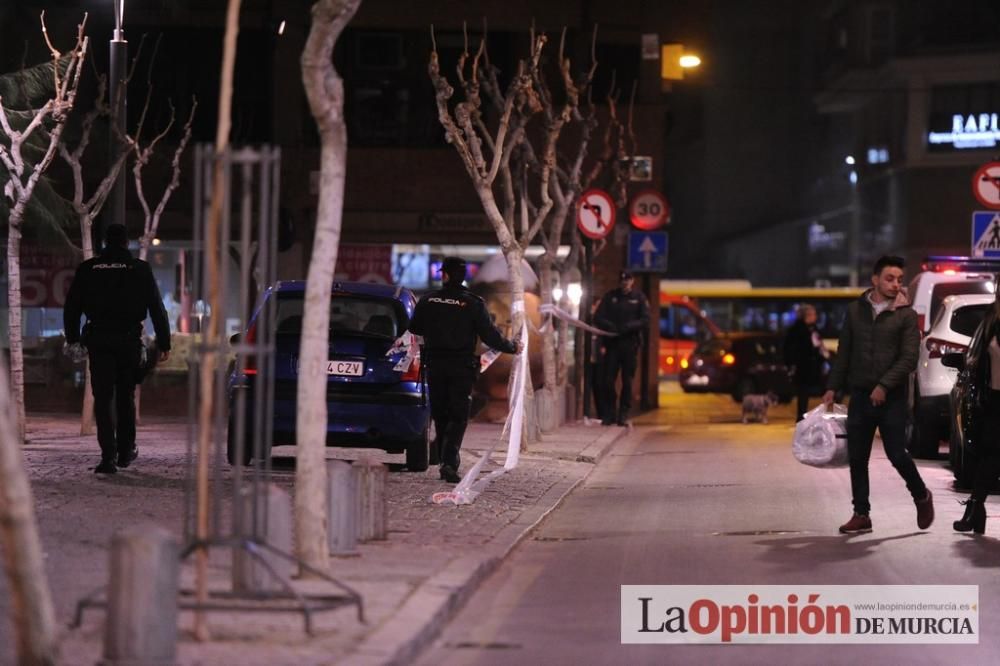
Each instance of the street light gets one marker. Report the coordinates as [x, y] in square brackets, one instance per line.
[117, 88]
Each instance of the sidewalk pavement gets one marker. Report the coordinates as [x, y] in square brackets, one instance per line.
[411, 583]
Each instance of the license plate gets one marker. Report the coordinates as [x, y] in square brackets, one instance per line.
[345, 368]
[697, 380]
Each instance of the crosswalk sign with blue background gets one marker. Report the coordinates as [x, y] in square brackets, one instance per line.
[986, 233]
[647, 251]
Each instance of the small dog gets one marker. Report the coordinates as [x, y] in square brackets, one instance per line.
[755, 406]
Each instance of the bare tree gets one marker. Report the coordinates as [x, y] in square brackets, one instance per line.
[325, 90]
[566, 188]
[143, 155]
[509, 149]
[23, 178]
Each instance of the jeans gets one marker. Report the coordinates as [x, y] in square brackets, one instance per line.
[890, 419]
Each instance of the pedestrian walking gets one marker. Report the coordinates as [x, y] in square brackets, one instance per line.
[983, 361]
[877, 352]
[115, 292]
[451, 320]
[625, 312]
[805, 356]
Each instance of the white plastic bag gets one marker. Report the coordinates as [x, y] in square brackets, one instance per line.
[821, 437]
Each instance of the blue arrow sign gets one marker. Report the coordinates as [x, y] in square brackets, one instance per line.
[647, 251]
[986, 233]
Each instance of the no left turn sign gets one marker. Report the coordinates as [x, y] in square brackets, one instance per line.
[986, 185]
[595, 214]
[649, 210]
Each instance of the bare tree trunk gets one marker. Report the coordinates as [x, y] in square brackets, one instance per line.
[31, 600]
[14, 327]
[87, 426]
[548, 336]
[56, 112]
[325, 90]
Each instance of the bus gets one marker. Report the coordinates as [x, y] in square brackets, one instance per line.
[737, 306]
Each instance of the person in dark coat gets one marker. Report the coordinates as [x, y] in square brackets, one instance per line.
[451, 321]
[878, 349]
[624, 312]
[984, 363]
[805, 356]
[115, 292]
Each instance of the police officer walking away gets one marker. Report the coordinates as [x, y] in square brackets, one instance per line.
[625, 312]
[450, 320]
[115, 291]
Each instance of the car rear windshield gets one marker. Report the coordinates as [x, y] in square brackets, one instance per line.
[945, 289]
[360, 315]
[966, 320]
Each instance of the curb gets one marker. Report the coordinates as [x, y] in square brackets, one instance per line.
[434, 602]
[593, 453]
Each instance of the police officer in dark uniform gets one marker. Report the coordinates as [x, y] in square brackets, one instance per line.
[625, 312]
[450, 321]
[115, 291]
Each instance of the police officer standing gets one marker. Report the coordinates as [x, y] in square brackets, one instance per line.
[450, 321]
[625, 312]
[115, 291]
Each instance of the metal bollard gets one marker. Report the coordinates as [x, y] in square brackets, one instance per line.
[342, 508]
[373, 510]
[141, 622]
[251, 563]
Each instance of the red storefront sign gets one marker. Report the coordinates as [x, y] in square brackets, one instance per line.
[364, 263]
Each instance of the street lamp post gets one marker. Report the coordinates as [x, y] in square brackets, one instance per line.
[117, 89]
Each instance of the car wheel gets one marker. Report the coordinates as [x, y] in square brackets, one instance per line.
[417, 454]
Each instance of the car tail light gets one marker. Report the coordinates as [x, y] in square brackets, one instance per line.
[728, 359]
[413, 373]
[939, 348]
[684, 363]
[250, 363]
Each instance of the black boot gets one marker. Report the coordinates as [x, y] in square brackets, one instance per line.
[974, 519]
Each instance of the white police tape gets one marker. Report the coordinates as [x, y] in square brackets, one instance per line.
[471, 485]
[559, 313]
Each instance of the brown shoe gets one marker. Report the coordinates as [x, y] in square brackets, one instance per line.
[857, 525]
[925, 511]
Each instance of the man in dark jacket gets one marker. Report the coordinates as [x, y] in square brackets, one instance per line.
[451, 320]
[878, 350]
[115, 291]
[625, 312]
[805, 356]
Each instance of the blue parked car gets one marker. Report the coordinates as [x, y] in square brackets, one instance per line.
[370, 404]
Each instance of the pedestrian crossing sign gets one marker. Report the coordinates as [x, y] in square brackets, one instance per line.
[986, 233]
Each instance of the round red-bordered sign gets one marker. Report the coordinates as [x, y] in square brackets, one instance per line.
[595, 214]
[986, 185]
[649, 210]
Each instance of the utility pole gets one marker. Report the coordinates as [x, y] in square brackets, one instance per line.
[118, 83]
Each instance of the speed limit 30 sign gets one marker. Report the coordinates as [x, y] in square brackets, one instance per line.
[649, 210]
